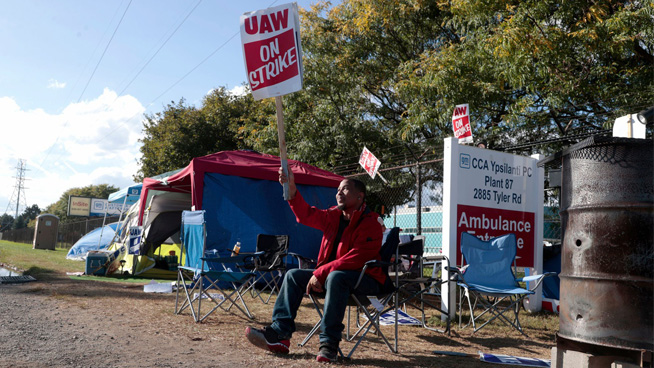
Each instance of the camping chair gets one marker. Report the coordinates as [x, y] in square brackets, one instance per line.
[205, 277]
[270, 265]
[414, 287]
[193, 236]
[372, 306]
[489, 279]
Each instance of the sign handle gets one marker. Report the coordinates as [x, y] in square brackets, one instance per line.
[282, 142]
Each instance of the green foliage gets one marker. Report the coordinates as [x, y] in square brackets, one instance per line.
[60, 208]
[538, 69]
[181, 132]
[386, 74]
[5, 221]
[26, 219]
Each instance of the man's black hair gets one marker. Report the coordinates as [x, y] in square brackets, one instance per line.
[359, 185]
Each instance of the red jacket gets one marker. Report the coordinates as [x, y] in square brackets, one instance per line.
[361, 240]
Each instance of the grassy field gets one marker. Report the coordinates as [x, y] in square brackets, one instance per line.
[47, 264]
[37, 262]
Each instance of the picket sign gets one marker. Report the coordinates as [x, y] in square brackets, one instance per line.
[370, 163]
[461, 123]
[273, 60]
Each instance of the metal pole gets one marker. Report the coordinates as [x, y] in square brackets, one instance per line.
[418, 200]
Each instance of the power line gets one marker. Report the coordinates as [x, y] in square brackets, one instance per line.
[90, 78]
[105, 51]
[159, 49]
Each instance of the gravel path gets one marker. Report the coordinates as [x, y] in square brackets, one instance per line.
[66, 322]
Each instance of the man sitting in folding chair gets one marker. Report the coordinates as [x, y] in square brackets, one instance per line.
[351, 237]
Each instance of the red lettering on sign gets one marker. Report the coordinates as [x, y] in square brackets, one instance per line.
[488, 223]
[269, 22]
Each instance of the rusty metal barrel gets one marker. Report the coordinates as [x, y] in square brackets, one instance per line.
[607, 263]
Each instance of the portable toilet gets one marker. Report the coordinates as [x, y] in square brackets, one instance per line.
[45, 233]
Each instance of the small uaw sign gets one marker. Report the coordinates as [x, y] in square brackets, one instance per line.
[461, 123]
[273, 61]
[135, 235]
[272, 50]
[370, 163]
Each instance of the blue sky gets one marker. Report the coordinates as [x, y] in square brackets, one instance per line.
[75, 115]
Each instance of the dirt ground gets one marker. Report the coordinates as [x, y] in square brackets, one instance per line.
[68, 322]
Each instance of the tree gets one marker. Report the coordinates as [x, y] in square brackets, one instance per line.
[31, 212]
[533, 70]
[181, 132]
[60, 208]
[6, 220]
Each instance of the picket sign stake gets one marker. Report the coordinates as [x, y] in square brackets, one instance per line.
[282, 143]
[272, 52]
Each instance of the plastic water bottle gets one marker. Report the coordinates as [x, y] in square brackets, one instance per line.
[237, 248]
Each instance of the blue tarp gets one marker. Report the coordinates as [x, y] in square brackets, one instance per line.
[238, 208]
[92, 241]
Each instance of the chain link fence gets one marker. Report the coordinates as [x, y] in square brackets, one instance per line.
[68, 233]
[410, 196]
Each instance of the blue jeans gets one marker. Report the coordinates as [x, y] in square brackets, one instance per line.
[338, 287]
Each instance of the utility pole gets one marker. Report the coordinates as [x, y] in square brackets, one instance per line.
[18, 197]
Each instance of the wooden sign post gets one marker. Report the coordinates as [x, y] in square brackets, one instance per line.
[282, 142]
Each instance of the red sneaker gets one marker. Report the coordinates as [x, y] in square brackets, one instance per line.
[327, 354]
[267, 339]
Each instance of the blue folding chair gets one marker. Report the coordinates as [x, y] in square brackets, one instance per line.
[204, 277]
[489, 279]
[192, 234]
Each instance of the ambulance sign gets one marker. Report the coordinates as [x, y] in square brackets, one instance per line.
[272, 50]
[461, 124]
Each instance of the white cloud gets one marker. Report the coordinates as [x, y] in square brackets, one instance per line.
[238, 91]
[53, 83]
[90, 142]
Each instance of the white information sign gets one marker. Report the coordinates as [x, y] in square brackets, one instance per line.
[488, 194]
[100, 206]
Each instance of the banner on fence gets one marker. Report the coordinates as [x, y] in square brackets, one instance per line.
[272, 50]
[135, 236]
[488, 194]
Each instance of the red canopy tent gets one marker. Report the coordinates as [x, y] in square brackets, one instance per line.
[248, 164]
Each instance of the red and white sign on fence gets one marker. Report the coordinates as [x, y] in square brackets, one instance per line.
[369, 162]
[272, 50]
[461, 124]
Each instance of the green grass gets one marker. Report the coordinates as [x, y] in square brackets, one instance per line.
[37, 262]
[46, 264]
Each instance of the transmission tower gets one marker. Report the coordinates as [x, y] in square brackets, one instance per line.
[17, 200]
